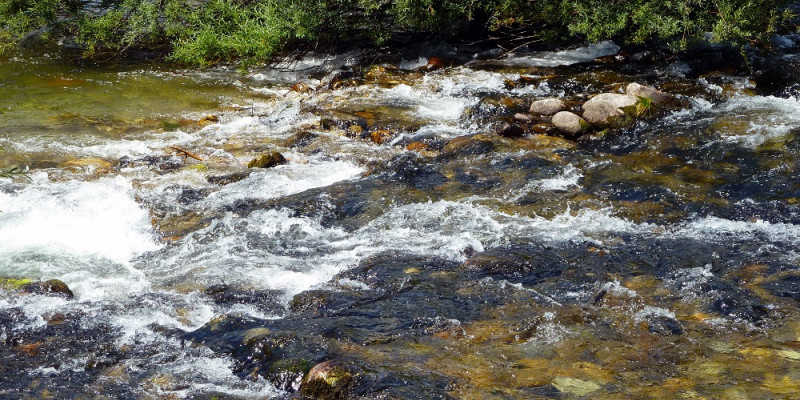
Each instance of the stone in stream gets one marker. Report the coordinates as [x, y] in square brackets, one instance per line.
[607, 108]
[223, 180]
[53, 287]
[569, 122]
[468, 145]
[657, 96]
[333, 119]
[267, 160]
[330, 380]
[547, 107]
[300, 139]
[510, 130]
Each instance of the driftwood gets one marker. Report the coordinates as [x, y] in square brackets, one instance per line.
[183, 153]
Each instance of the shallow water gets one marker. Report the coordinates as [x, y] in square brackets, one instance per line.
[656, 262]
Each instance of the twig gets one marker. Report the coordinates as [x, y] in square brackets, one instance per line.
[184, 153]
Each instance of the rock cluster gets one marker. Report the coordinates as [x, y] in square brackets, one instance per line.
[602, 111]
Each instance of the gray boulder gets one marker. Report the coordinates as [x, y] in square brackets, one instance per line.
[605, 108]
[547, 106]
[658, 97]
[569, 122]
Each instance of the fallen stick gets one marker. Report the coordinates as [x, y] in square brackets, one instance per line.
[185, 153]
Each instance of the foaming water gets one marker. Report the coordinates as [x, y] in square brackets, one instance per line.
[766, 119]
[285, 180]
[85, 233]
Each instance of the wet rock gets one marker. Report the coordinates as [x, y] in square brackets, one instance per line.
[569, 122]
[607, 108]
[468, 145]
[544, 128]
[547, 106]
[657, 96]
[229, 178]
[411, 169]
[267, 160]
[527, 263]
[342, 120]
[265, 300]
[330, 380]
[510, 130]
[165, 163]
[740, 307]
[52, 287]
[575, 387]
[664, 325]
[524, 118]
[433, 64]
[301, 87]
[786, 286]
[343, 79]
[300, 139]
[208, 120]
[381, 136]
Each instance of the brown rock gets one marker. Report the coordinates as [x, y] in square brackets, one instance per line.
[417, 146]
[381, 136]
[267, 160]
[301, 87]
[52, 287]
[510, 130]
[330, 380]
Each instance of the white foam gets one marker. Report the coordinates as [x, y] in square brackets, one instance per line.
[716, 228]
[769, 118]
[285, 180]
[98, 218]
[567, 57]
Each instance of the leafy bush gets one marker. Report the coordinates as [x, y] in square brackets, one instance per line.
[204, 32]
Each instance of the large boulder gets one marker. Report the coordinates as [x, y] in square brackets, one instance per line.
[606, 108]
[547, 106]
[569, 122]
[657, 96]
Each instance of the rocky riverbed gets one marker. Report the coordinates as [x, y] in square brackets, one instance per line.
[588, 223]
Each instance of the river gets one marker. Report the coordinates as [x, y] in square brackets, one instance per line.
[432, 257]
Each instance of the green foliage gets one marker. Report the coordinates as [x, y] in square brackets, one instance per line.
[204, 32]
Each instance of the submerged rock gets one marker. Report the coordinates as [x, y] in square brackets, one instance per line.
[548, 106]
[267, 160]
[569, 122]
[300, 139]
[606, 108]
[341, 120]
[229, 178]
[469, 145]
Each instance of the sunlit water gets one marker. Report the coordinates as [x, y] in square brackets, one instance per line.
[138, 232]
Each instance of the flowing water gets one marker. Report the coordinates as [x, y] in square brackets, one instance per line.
[436, 258]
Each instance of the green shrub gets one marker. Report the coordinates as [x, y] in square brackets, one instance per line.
[204, 32]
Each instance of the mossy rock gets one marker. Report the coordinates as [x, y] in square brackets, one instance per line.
[330, 380]
[267, 160]
[14, 284]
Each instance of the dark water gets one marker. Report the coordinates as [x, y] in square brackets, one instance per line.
[404, 238]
